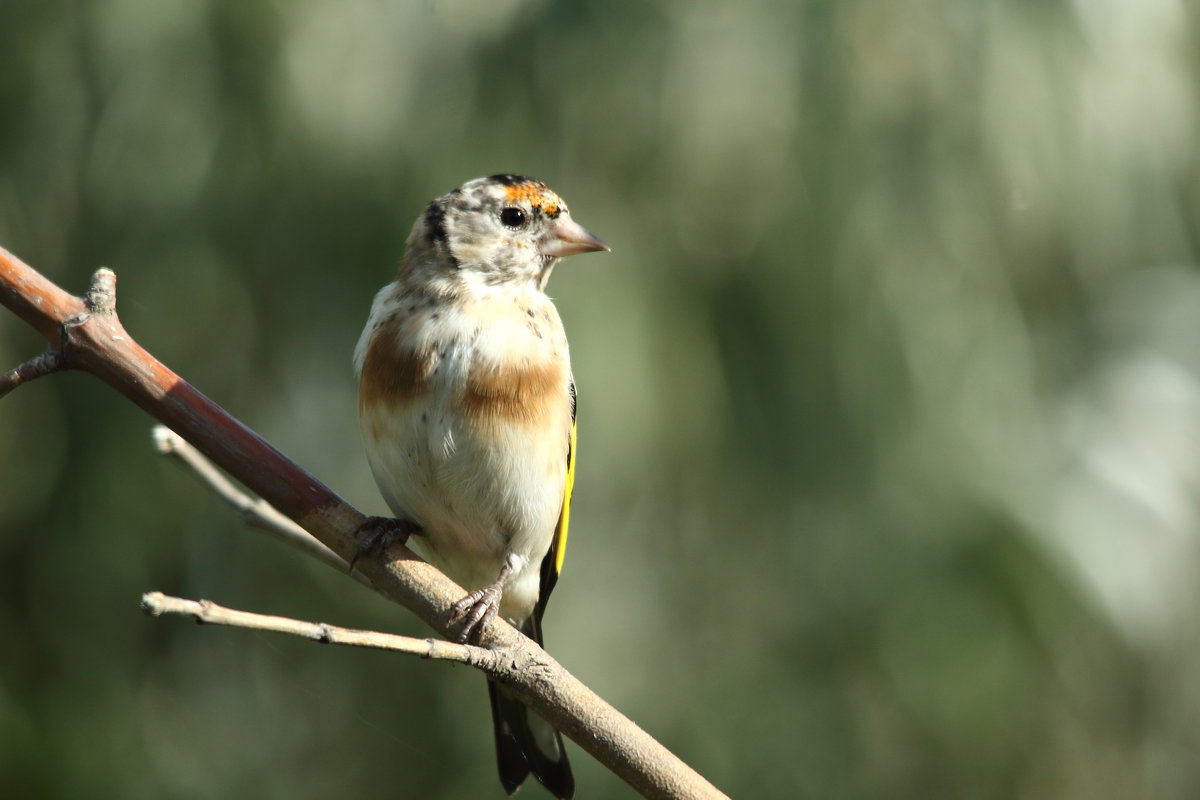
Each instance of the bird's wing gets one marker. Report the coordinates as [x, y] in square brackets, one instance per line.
[552, 563]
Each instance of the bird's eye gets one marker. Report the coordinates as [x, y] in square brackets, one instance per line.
[513, 217]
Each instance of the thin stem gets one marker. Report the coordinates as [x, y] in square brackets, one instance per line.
[257, 513]
[208, 612]
[45, 364]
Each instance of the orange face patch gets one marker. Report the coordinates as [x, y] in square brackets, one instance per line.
[536, 195]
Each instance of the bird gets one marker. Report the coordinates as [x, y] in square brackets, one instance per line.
[467, 406]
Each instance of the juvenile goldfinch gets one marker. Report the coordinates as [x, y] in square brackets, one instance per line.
[467, 406]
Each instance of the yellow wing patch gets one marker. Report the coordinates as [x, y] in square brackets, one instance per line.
[552, 562]
[564, 519]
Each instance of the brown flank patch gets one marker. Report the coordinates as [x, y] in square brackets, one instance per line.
[392, 375]
[526, 393]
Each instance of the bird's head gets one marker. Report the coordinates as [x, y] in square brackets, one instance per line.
[503, 229]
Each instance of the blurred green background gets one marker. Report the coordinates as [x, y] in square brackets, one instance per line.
[889, 391]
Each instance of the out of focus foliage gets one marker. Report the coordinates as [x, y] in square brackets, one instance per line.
[889, 391]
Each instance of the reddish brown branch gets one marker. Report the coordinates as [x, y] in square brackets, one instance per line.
[101, 298]
[88, 335]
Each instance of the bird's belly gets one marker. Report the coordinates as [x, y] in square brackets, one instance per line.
[481, 494]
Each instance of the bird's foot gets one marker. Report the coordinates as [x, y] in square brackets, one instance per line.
[377, 533]
[478, 609]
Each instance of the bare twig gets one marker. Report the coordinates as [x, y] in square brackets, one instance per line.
[257, 513]
[32, 369]
[206, 611]
[89, 336]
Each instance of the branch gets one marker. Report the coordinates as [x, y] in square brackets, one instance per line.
[255, 513]
[32, 369]
[88, 335]
[207, 612]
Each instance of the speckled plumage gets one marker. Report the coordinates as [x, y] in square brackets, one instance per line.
[466, 402]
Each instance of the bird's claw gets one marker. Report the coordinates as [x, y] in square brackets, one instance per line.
[476, 610]
[378, 533]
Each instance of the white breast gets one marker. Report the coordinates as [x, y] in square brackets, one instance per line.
[484, 481]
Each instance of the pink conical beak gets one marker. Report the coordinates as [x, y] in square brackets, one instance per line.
[566, 237]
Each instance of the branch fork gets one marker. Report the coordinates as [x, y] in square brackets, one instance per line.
[101, 299]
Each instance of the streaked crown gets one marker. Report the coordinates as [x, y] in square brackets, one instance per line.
[509, 228]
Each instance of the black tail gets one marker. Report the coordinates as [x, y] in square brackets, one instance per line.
[526, 743]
